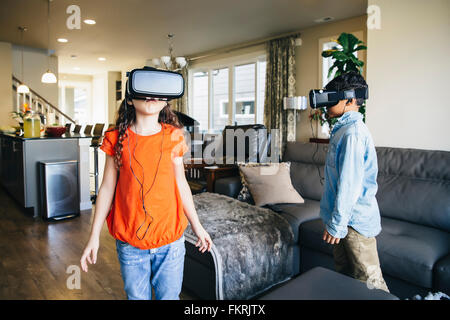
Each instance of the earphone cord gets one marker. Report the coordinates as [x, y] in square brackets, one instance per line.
[143, 179]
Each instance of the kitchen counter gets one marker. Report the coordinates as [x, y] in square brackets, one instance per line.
[19, 165]
[69, 135]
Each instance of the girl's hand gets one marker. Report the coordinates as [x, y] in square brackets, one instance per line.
[90, 253]
[204, 240]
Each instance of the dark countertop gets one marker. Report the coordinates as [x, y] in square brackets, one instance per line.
[69, 135]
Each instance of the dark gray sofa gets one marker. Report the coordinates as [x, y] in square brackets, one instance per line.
[414, 200]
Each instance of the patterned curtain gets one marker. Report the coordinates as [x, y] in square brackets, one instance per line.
[280, 83]
[181, 104]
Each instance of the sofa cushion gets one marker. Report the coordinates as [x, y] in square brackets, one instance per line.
[270, 183]
[421, 179]
[310, 235]
[306, 180]
[297, 213]
[307, 167]
[423, 202]
[442, 275]
[229, 186]
[407, 251]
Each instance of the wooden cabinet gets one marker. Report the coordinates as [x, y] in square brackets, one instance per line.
[12, 167]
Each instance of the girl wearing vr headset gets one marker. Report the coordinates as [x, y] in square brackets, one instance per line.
[144, 196]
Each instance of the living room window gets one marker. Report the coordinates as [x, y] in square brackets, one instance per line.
[214, 85]
[200, 98]
[328, 62]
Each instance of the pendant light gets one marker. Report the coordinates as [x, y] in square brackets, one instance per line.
[48, 77]
[22, 88]
[170, 62]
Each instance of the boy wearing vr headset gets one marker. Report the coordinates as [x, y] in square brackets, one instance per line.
[348, 206]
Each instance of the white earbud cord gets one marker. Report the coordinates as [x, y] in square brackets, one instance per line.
[142, 195]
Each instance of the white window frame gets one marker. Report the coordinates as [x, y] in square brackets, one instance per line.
[241, 116]
[255, 57]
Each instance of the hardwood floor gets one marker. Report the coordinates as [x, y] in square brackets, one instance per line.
[35, 256]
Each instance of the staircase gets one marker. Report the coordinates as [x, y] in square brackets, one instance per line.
[38, 103]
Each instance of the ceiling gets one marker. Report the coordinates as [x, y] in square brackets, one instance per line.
[128, 32]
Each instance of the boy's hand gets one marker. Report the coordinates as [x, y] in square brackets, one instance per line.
[328, 238]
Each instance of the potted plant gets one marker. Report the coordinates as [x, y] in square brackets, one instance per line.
[18, 115]
[344, 60]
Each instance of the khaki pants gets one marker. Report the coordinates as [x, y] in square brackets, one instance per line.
[357, 257]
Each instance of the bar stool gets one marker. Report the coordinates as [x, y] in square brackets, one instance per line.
[95, 143]
[77, 128]
[88, 129]
[68, 125]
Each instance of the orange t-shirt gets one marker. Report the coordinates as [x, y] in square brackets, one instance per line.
[163, 202]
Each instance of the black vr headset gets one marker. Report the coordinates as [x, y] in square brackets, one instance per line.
[148, 82]
[327, 98]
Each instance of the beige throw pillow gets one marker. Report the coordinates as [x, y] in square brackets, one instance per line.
[270, 183]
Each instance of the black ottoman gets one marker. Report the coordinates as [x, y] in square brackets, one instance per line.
[323, 284]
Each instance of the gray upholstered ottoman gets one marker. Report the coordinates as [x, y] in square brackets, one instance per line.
[323, 284]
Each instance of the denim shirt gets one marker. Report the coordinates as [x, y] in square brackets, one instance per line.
[350, 187]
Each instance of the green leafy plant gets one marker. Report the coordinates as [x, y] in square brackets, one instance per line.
[345, 60]
[18, 115]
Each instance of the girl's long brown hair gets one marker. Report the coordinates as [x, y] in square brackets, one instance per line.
[126, 116]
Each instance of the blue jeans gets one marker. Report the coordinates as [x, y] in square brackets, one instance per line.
[161, 268]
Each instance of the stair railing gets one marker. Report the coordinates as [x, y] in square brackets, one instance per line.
[38, 103]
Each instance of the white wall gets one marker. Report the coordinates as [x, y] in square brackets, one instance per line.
[35, 64]
[113, 105]
[67, 81]
[6, 102]
[99, 98]
[408, 68]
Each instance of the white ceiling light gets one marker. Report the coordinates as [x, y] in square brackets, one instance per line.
[170, 62]
[101, 59]
[22, 88]
[48, 76]
[89, 21]
[62, 40]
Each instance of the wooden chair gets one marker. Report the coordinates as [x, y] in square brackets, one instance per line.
[202, 176]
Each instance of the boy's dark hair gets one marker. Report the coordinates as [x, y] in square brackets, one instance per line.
[347, 81]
